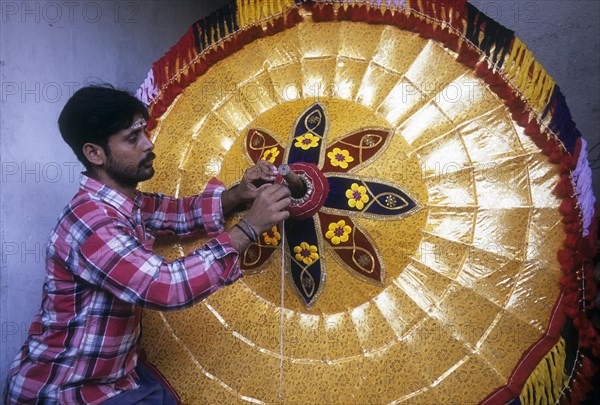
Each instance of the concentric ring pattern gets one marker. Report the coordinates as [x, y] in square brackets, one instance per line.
[470, 279]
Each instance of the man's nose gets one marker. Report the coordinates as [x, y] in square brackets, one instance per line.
[148, 145]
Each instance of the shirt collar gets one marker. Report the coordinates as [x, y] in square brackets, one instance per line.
[109, 195]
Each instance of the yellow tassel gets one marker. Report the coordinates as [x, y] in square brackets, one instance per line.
[239, 13]
[508, 65]
[545, 383]
[257, 10]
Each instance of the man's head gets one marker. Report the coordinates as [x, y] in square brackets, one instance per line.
[105, 128]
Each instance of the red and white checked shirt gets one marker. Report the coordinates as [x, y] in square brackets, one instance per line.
[82, 346]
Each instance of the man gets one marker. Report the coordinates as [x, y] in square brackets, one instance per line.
[83, 344]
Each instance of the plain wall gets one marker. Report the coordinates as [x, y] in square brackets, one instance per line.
[49, 49]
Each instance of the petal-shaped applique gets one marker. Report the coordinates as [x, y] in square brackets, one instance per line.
[308, 135]
[260, 145]
[365, 197]
[358, 255]
[304, 264]
[356, 150]
[255, 256]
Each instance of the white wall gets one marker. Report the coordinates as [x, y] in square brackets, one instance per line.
[48, 49]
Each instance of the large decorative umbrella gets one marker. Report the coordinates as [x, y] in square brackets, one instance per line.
[440, 250]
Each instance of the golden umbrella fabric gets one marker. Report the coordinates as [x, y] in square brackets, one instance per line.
[449, 258]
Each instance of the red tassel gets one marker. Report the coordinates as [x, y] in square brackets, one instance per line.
[185, 80]
[467, 56]
[315, 11]
[504, 91]
[151, 124]
[565, 257]
[424, 28]
[400, 20]
[532, 128]
[344, 13]
[159, 108]
[564, 188]
[576, 392]
[523, 120]
[437, 33]
[555, 156]
[327, 13]
[359, 13]
[451, 41]
[483, 70]
[584, 384]
[278, 25]
[588, 368]
[388, 18]
[293, 18]
[515, 103]
[374, 16]
[571, 241]
[411, 23]
[572, 228]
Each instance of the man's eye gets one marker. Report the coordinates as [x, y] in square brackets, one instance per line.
[132, 139]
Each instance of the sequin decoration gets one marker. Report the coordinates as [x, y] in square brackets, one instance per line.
[360, 196]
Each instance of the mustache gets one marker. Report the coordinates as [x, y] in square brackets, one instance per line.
[148, 158]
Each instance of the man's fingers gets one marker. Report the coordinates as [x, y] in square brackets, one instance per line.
[267, 168]
[277, 192]
[281, 215]
[281, 204]
[252, 174]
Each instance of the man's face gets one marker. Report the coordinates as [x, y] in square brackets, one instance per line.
[130, 154]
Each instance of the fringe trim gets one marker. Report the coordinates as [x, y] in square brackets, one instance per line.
[548, 378]
[579, 383]
[252, 11]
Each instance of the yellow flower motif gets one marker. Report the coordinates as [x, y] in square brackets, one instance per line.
[357, 196]
[270, 155]
[272, 237]
[340, 157]
[306, 141]
[306, 253]
[338, 232]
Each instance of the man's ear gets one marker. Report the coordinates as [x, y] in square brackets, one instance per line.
[94, 153]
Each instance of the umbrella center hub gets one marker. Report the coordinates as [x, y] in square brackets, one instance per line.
[309, 188]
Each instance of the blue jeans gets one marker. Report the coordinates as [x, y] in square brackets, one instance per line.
[150, 392]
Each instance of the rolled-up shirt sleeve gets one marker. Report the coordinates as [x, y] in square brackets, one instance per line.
[116, 261]
[185, 215]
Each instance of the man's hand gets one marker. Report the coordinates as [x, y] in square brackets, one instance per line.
[267, 210]
[247, 190]
[262, 172]
[269, 207]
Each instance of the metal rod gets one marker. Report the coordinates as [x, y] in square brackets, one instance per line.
[295, 183]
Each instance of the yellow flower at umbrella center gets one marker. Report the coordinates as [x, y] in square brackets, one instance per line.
[270, 155]
[357, 196]
[306, 141]
[306, 253]
[340, 157]
[272, 236]
[338, 232]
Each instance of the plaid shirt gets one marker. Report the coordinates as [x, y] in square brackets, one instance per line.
[82, 346]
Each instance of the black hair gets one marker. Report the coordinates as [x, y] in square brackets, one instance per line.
[93, 114]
